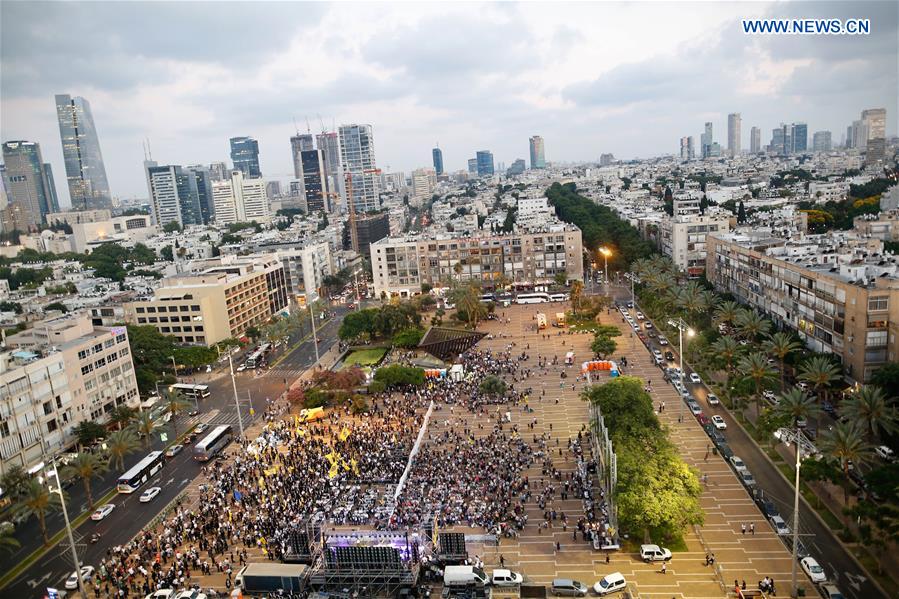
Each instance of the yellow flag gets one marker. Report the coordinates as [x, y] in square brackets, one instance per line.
[261, 482]
[333, 471]
[344, 434]
[355, 466]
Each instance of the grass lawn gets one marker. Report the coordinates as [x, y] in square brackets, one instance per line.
[365, 357]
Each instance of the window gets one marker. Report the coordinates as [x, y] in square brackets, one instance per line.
[140, 310]
[48, 408]
[123, 352]
[82, 354]
[87, 369]
[195, 308]
[109, 343]
[100, 362]
[876, 339]
[878, 303]
[120, 338]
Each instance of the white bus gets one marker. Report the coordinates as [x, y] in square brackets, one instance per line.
[257, 356]
[212, 443]
[487, 298]
[141, 472]
[191, 391]
[558, 297]
[532, 298]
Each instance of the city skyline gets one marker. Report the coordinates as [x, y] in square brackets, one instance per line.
[191, 97]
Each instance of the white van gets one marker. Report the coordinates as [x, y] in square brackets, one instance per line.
[610, 584]
[464, 575]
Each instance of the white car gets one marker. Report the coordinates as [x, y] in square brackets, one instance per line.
[150, 494]
[780, 527]
[737, 463]
[190, 594]
[694, 378]
[657, 353]
[813, 569]
[769, 395]
[719, 423]
[610, 584]
[713, 399]
[506, 578]
[173, 450]
[640, 316]
[102, 511]
[885, 453]
[87, 572]
[647, 326]
[662, 340]
[654, 553]
[161, 594]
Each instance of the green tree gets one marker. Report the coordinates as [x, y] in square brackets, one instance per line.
[576, 294]
[727, 350]
[89, 431]
[144, 425]
[122, 415]
[151, 352]
[493, 385]
[120, 444]
[887, 378]
[357, 324]
[86, 465]
[868, 407]
[172, 227]
[253, 333]
[879, 528]
[408, 338]
[468, 302]
[754, 367]
[820, 373]
[752, 325]
[795, 405]
[603, 346]
[845, 442]
[14, 481]
[8, 542]
[175, 403]
[167, 254]
[782, 345]
[820, 469]
[741, 213]
[397, 375]
[561, 279]
[37, 500]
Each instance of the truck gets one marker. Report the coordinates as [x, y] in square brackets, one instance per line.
[270, 577]
[464, 576]
[541, 321]
[559, 320]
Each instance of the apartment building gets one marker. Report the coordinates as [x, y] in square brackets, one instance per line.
[222, 299]
[883, 226]
[304, 269]
[59, 373]
[683, 239]
[526, 259]
[839, 293]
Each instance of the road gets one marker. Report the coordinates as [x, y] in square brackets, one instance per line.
[819, 540]
[130, 516]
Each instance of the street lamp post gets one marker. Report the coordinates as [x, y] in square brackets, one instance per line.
[681, 327]
[236, 402]
[65, 515]
[606, 252]
[314, 334]
[795, 436]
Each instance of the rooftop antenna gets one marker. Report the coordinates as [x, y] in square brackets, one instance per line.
[143, 144]
[149, 149]
[295, 125]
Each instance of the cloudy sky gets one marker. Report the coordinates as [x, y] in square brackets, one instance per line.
[589, 77]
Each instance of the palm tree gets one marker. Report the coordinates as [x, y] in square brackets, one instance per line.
[175, 403]
[819, 372]
[467, 299]
[121, 415]
[87, 465]
[8, 542]
[726, 312]
[781, 345]
[751, 324]
[795, 404]
[868, 408]
[38, 500]
[727, 349]
[577, 290]
[755, 367]
[144, 425]
[119, 444]
[846, 443]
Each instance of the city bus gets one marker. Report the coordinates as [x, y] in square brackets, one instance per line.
[213, 443]
[532, 298]
[257, 357]
[191, 391]
[141, 472]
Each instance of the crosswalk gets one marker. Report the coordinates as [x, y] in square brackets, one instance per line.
[290, 374]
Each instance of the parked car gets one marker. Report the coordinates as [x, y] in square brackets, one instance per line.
[716, 437]
[746, 478]
[830, 591]
[703, 419]
[565, 587]
[647, 325]
[668, 355]
[814, 570]
[780, 526]
[694, 408]
[737, 463]
[885, 453]
[87, 572]
[102, 511]
[713, 399]
[725, 451]
[663, 341]
[506, 578]
[767, 507]
[173, 450]
[640, 316]
[611, 583]
[654, 553]
[150, 494]
[719, 423]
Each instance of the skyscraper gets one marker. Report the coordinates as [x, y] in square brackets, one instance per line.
[174, 195]
[706, 140]
[315, 182]
[204, 181]
[484, 162]
[876, 120]
[472, 166]
[437, 155]
[799, 137]
[538, 157]
[53, 198]
[301, 142]
[86, 175]
[240, 200]
[29, 192]
[821, 141]
[245, 156]
[518, 167]
[734, 127]
[685, 148]
[755, 140]
[219, 171]
[329, 144]
[357, 156]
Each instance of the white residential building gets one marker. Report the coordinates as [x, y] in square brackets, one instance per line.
[683, 238]
[240, 200]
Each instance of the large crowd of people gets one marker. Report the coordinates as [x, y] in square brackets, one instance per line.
[474, 468]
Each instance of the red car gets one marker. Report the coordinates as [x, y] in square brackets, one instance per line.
[703, 419]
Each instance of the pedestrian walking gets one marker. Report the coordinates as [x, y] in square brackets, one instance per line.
[502, 561]
[743, 528]
[752, 527]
